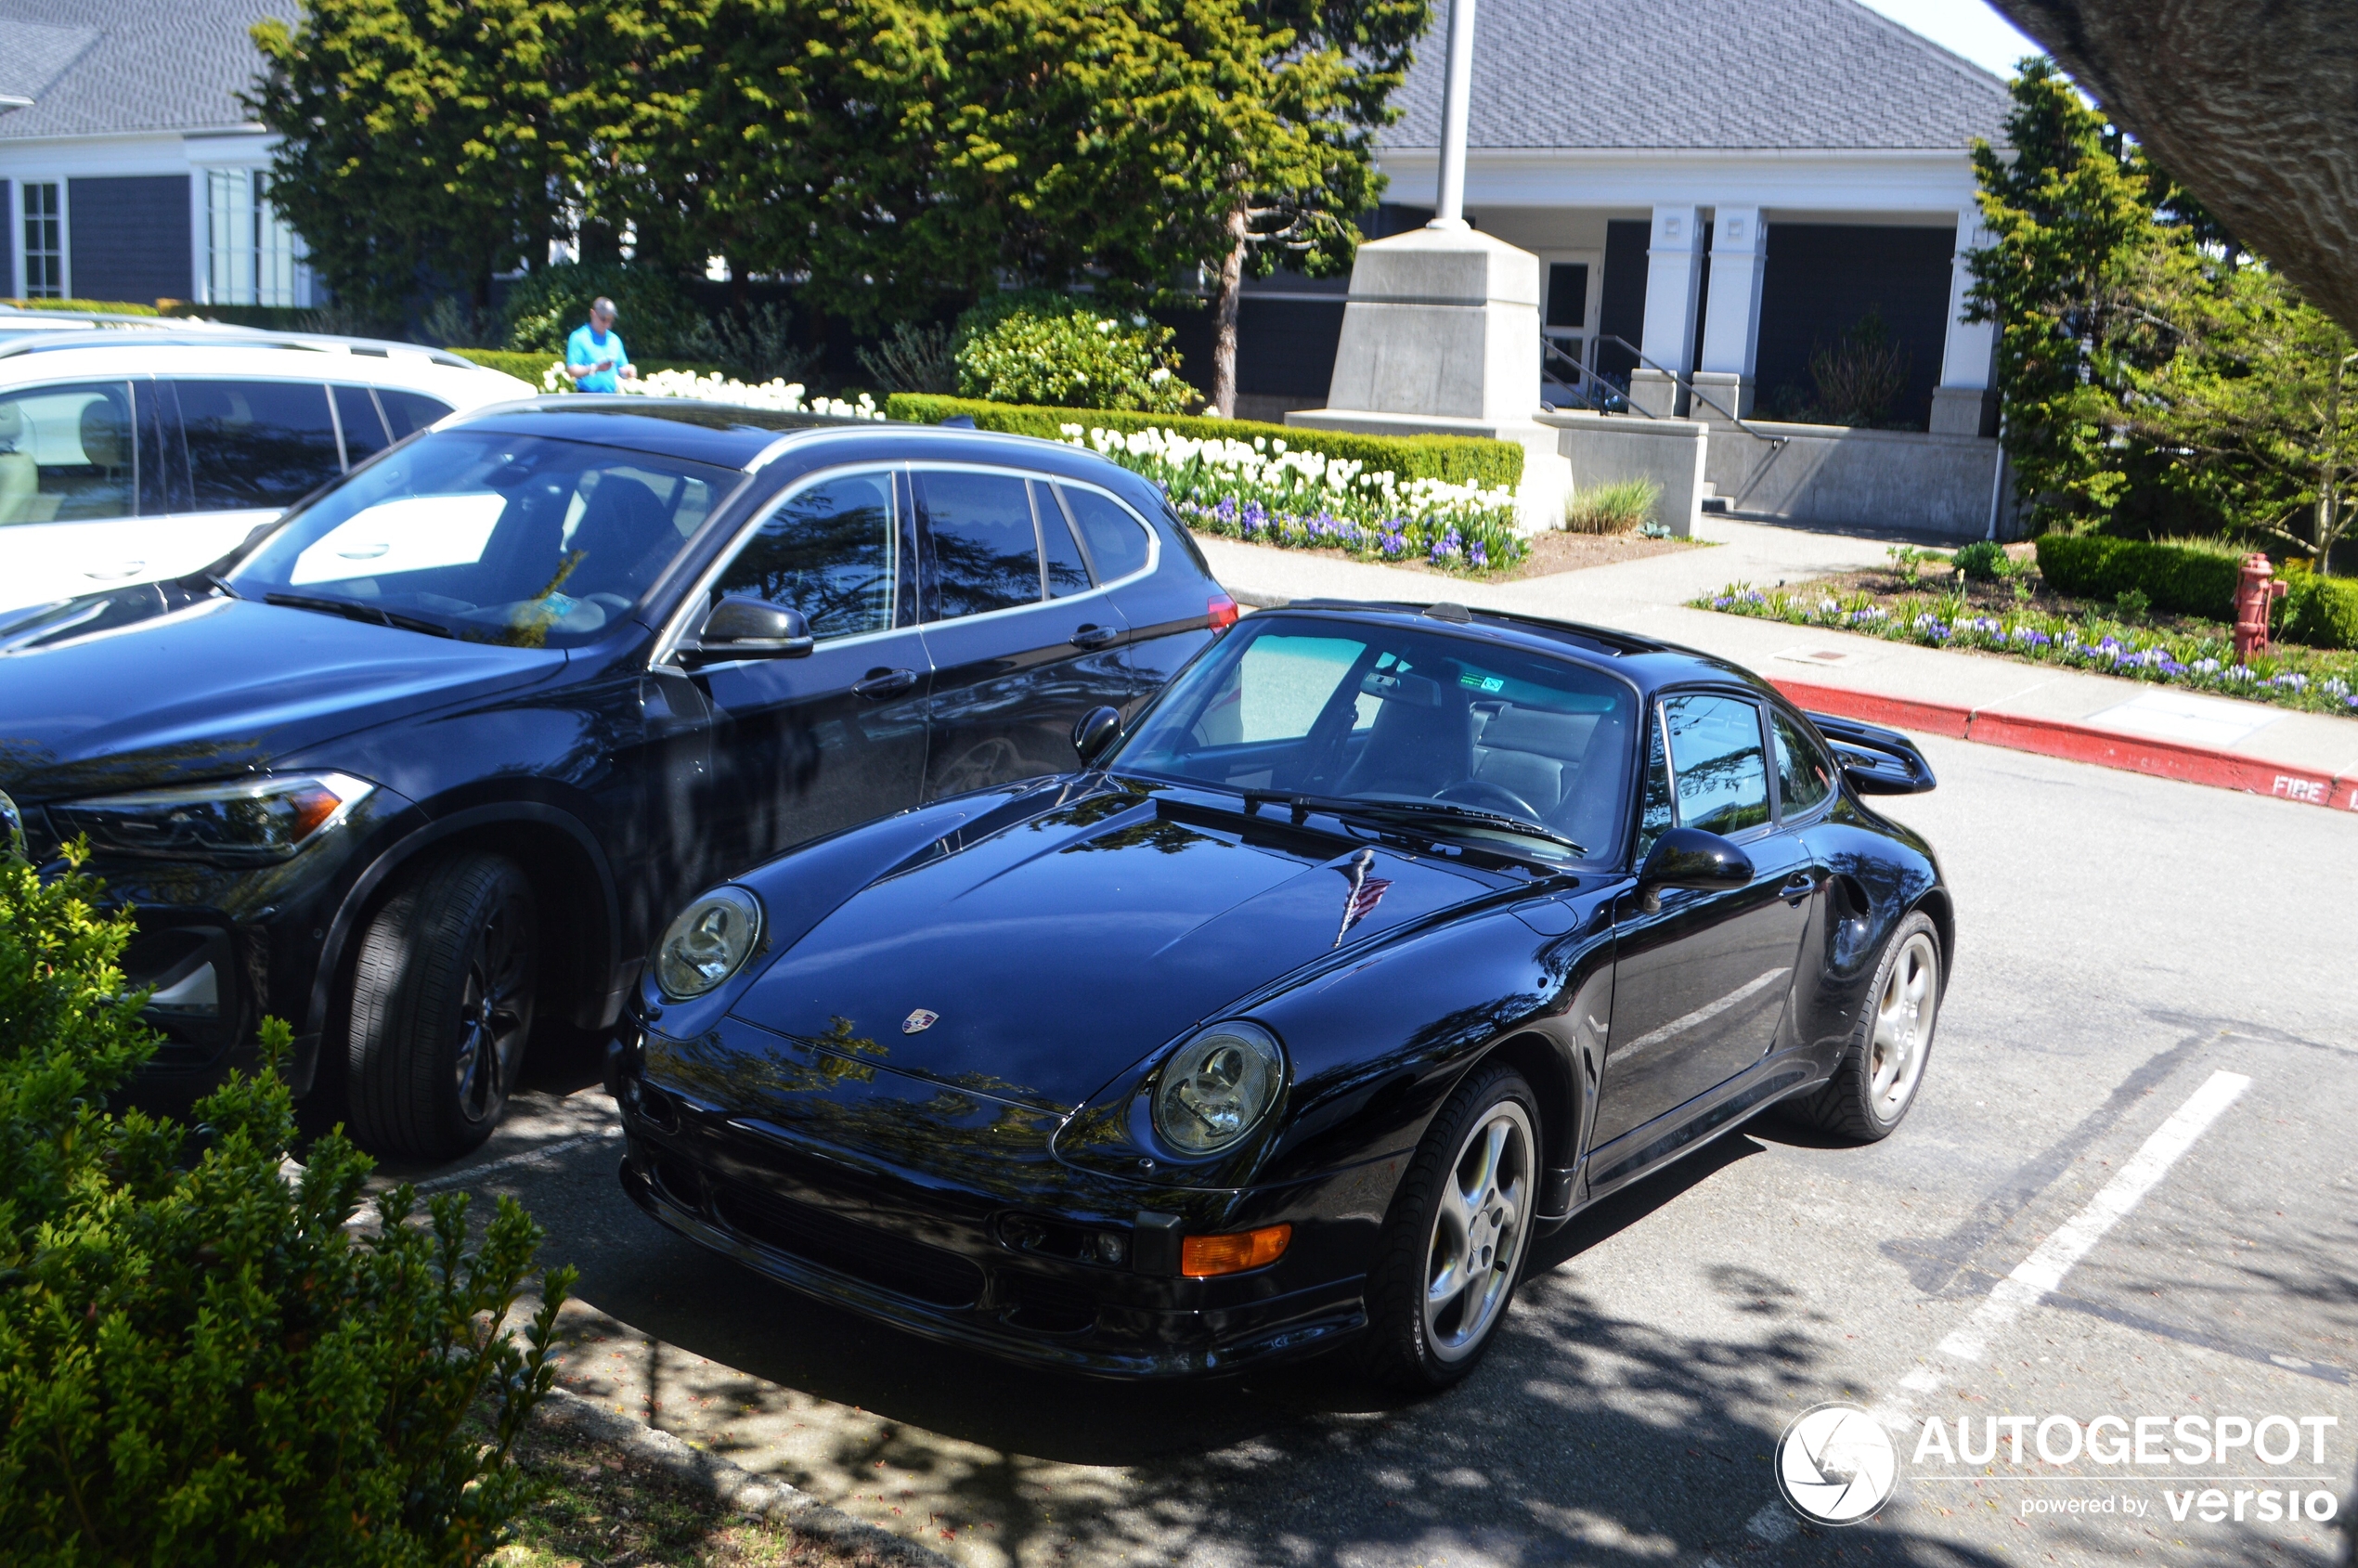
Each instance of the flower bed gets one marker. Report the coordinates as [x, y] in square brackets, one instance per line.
[782, 397]
[2317, 681]
[1267, 492]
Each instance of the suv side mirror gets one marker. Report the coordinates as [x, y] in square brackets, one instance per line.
[741, 628]
[1094, 730]
[1688, 856]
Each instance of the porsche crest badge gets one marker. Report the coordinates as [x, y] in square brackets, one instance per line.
[918, 1021]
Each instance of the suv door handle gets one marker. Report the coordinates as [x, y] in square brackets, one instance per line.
[1094, 636]
[1799, 886]
[885, 683]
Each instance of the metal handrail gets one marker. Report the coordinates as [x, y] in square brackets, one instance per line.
[1584, 387]
[1775, 443]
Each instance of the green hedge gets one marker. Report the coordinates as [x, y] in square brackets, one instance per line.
[98, 307]
[532, 366]
[1461, 460]
[2197, 578]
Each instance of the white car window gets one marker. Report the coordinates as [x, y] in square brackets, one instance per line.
[67, 453]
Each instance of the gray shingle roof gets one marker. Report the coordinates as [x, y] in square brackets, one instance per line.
[93, 67]
[1728, 75]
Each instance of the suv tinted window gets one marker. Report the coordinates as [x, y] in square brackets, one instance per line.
[1067, 568]
[68, 452]
[1804, 775]
[364, 429]
[409, 411]
[1117, 541]
[982, 549]
[828, 553]
[257, 444]
[1715, 758]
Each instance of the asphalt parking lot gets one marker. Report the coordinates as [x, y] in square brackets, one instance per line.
[2143, 1099]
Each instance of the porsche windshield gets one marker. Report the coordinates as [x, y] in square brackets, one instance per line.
[492, 538]
[1393, 718]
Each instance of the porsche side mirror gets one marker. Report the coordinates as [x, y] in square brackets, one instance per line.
[1688, 856]
[1094, 730]
[747, 628]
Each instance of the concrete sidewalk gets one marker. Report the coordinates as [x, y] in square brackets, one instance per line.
[2311, 758]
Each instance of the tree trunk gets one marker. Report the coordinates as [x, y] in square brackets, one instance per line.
[1224, 315]
[2249, 106]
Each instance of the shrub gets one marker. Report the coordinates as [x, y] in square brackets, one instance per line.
[1039, 347]
[1612, 509]
[199, 1363]
[918, 357]
[654, 317]
[2190, 576]
[1460, 460]
[760, 347]
[2322, 612]
[101, 307]
[534, 367]
[1984, 561]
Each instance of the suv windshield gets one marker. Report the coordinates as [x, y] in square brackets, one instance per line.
[1400, 719]
[492, 538]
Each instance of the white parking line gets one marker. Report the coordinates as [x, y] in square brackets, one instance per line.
[2043, 1271]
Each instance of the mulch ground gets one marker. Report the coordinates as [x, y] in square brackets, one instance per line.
[1548, 553]
[1888, 587]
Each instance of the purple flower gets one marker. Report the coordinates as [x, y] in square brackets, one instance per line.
[1478, 555]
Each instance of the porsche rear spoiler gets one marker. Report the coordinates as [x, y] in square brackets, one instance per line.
[1876, 761]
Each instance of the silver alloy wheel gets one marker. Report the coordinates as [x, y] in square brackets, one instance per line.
[1903, 1026]
[1479, 1233]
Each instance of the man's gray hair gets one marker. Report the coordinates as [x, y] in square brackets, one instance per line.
[602, 306]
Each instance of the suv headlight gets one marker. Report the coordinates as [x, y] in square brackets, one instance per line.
[710, 942]
[1216, 1087]
[249, 821]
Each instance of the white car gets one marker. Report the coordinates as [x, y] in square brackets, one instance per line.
[139, 452]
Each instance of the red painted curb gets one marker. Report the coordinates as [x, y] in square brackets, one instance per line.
[2081, 743]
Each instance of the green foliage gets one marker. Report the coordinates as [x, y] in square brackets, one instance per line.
[1612, 509]
[757, 346]
[1983, 560]
[654, 317]
[2194, 577]
[1461, 460]
[1054, 350]
[2320, 610]
[534, 367]
[421, 137]
[915, 356]
[199, 1363]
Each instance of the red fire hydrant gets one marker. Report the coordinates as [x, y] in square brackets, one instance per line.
[2257, 592]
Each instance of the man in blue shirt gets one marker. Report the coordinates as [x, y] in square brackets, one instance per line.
[595, 360]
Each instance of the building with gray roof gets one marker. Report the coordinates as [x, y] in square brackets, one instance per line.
[129, 167]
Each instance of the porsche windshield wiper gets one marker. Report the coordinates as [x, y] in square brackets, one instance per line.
[353, 610]
[1346, 806]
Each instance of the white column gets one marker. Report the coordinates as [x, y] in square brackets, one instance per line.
[1958, 401]
[1449, 200]
[1731, 320]
[1674, 274]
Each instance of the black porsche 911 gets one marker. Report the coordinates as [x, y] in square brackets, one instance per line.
[1388, 938]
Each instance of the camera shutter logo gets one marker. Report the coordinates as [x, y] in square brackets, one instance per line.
[1836, 1464]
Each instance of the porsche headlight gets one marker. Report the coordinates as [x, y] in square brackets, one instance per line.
[710, 942]
[1216, 1087]
[248, 822]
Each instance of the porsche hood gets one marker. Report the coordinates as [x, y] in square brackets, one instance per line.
[1035, 966]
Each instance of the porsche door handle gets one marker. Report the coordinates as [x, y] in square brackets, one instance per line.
[1799, 886]
[1094, 636]
[884, 683]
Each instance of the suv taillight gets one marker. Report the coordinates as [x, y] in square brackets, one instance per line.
[1222, 611]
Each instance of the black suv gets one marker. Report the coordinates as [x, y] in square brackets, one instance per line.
[442, 751]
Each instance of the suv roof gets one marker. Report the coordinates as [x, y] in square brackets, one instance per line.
[45, 331]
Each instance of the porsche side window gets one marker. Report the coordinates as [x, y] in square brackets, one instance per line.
[1804, 776]
[1720, 778]
[828, 553]
[1276, 691]
[1654, 817]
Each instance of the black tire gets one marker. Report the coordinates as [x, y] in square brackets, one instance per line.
[442, 1002]
[1902, 1010]
[1408, 1346]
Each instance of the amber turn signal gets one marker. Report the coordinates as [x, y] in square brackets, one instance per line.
[1203, 1255]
